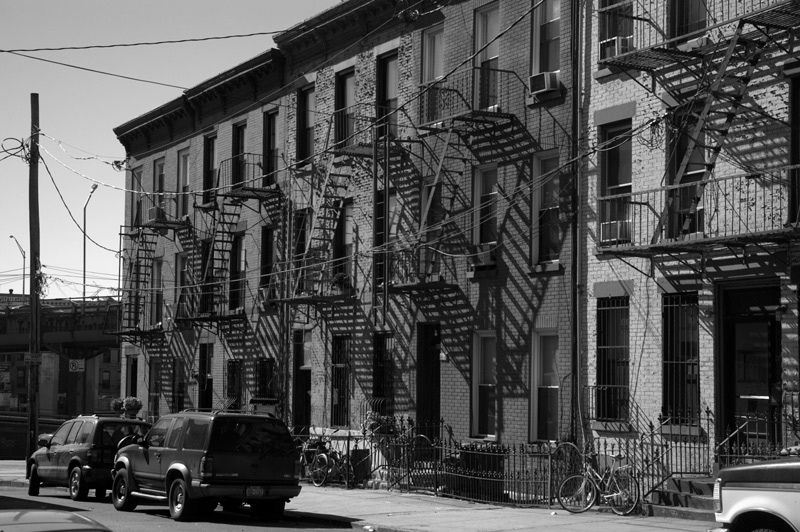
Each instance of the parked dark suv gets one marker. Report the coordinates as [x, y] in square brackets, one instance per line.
[194, 460]
[80, 454]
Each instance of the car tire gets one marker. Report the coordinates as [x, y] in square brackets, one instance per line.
[271, 511]
[78, 490]
[181, 506]
[33, 482]
[121, 492]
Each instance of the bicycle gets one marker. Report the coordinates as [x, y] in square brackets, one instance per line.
[617, 486]
[330, 465]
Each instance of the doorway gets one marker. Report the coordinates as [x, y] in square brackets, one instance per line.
[750, 366]
[428, 379]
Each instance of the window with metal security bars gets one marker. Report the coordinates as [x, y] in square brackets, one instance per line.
[340, 381]
[681, 351]
[613, 358]
[382, 374]
[233, 385]
[265, 378]
[178, 384]
[154, 388]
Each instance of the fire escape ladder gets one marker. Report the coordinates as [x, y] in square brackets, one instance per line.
[722, 99]
[217, 272]
[189, 296]
[139, 269]
[326, 206]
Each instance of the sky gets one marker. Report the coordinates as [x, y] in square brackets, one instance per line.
[78, 110]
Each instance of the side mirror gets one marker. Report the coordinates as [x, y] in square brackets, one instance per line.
[44, 440]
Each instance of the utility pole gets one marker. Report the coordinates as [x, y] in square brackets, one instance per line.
[34, 354]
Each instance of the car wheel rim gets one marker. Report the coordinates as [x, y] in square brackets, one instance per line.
[178, 499]
[74, 483]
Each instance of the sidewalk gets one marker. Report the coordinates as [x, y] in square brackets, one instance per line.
[392, 511]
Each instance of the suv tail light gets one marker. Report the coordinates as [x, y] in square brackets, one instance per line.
[207, 466]
[717, 496]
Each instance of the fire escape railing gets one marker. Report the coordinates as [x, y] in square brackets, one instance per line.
[468, 90]
[735, 206]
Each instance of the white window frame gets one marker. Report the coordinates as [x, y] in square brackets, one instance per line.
[536, 376]
[182, 185]
[478, 378]
[477, 223]
[433, 53]
[537, 197]
[536, 45]
[486, 30]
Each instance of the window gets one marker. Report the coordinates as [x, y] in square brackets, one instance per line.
[300, 229]
[136, 198]
[433, 53]
[385, 234]
[487, 48]
[435, 215]
[612, 358]
[265, 378]
[484, 385]
[270, 148]
[21, 378]
[233, 385]
[73, 432]
[485, 214]
[306, 117]
[545, 384]
[239, 175]
[158, 434]
[105, 379]
[210, 165]
[547, 39]
[157, 292]
[183, 182]
[158, 185]
[345, 108]
[340, 381]
[61, 434]
[268, 254]
[616, 27]
[343, 242]
[86, 431]
[686, 213]
[382, 374]
[238, 273]
[133, 375]
[173, 442]
[154, 390]
[178, 384]
[681, 351]
[196, 432]
[615, 186]
[182, 281]
[687, 17]
[387, 95]
[546, 230]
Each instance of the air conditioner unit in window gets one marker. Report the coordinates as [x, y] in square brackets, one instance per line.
[615, 232]
[484, 254]
[615, 46]
[155, 214]
[544, 82]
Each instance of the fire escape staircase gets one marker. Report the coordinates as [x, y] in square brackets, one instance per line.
[135, 328]
[494, 137]
[189, 296]
[312, 282]
[721, 102]
[216, 275]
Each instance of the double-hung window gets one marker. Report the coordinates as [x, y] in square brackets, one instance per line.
[615, 20]
[546, 52]
[615, 183]
[546, 231]
[485, 215]
[484, 384]
[487, 48]
[345, 108]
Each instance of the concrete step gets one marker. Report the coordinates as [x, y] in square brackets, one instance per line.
[655, 510]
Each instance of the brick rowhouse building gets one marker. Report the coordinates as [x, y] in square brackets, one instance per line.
[375, 216]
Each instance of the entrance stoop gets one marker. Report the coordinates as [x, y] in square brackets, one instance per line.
[686, 498]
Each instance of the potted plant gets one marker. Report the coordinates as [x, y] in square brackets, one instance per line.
[131, 405]
[117, 405]
[341, 282]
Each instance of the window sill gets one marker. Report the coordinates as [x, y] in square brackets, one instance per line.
[613, 427]
[482, 272]
[547, 268]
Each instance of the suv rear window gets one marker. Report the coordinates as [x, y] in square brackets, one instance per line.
[250, 435]
[112, 432]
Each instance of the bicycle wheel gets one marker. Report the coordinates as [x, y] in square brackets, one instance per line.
[577, 493]
[318, 470]
[623, 492]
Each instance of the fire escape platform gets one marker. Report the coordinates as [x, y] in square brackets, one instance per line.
[258, 193]
[701, 244]
[424, 286]
[781, 16]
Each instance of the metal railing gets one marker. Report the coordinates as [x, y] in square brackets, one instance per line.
[643, 24]
[734, 206]
[471, 89]
[423, 265]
